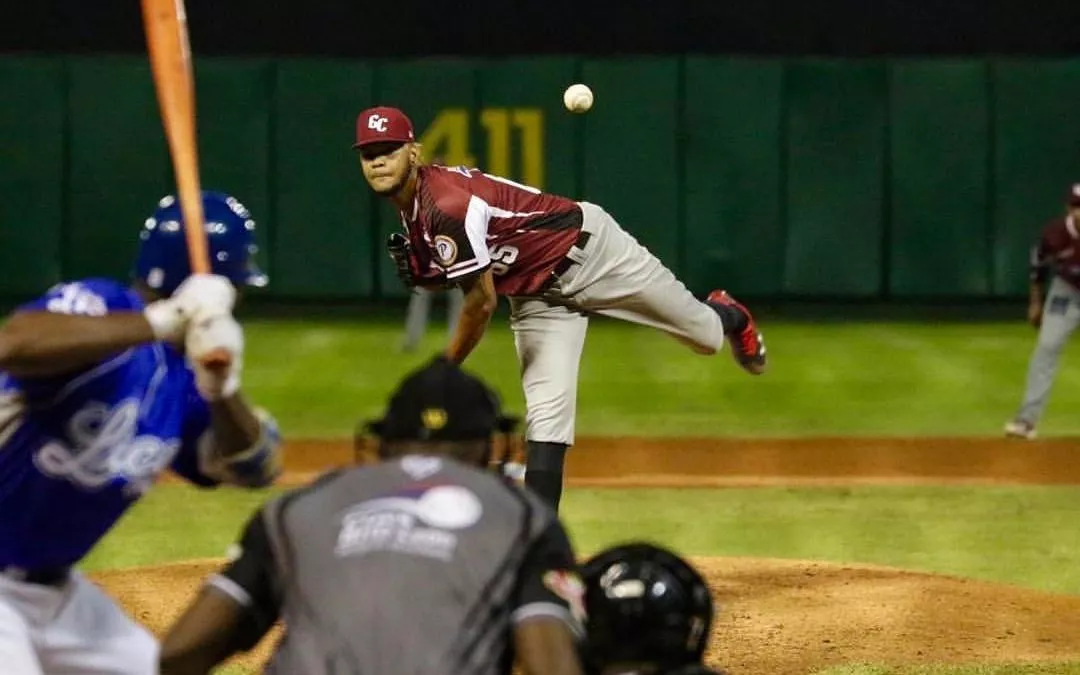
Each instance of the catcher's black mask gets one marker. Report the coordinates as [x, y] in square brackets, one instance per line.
[645, 605]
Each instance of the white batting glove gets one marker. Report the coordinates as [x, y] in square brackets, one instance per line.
[215, 349]
[167, 320]
[199, 296]
[202, 295]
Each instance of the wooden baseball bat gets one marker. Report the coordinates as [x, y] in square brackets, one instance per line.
[170, 60]
[167, 43]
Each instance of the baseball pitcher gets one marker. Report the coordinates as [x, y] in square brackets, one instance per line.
[423, 562]
[102, 388]
[1055, 311]
[558, 261]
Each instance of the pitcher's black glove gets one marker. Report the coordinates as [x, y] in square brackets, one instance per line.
[398, 247]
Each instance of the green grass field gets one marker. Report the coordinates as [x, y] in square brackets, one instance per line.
[1020, 535]
[858, 378]
[904, 379]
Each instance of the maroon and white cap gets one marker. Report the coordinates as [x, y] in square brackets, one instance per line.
[383, 125]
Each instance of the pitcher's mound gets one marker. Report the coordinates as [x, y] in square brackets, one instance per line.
[782, 616]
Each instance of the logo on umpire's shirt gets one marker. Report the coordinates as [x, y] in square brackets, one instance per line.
[445, 250]
[417, 520]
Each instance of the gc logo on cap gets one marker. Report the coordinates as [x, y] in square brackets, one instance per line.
[383, 125]
[377, 122]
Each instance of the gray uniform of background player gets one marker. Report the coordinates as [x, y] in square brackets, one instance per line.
[418, 565]
[419, 309]
[1057, 313]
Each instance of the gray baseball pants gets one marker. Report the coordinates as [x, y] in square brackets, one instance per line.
[1061, 316]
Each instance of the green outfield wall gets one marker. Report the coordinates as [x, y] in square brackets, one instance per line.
[866, 179]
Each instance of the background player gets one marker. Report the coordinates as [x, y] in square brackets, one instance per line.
[649, 613]
[558, 260]
[96, 400]
[416, 316]
[1055, 311]
[420, 563]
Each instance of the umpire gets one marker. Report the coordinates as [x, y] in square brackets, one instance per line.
[422, 562]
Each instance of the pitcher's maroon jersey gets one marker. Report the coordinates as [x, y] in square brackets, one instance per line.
[1058, 250]
[464, 221]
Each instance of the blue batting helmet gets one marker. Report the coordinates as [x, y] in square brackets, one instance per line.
[163, 263]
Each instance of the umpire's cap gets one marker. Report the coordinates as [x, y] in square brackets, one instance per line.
[645, 605]
[440, 402]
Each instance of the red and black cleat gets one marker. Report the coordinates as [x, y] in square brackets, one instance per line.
[747, 345]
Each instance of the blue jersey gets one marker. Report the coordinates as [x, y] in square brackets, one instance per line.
[77, 450]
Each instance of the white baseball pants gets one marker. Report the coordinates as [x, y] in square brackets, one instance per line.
[73, 629]
[617, 277]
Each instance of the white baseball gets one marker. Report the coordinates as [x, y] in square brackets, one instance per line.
[577, 98]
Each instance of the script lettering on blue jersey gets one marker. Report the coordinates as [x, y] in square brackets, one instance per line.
[104, 446]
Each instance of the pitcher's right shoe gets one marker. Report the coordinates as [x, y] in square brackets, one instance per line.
[1020, 429]
[747, 346]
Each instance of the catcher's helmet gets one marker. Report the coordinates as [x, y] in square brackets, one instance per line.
[645, 605]
[162, 262]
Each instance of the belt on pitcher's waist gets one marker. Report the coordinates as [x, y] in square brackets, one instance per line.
[568, 262]
[43, 576]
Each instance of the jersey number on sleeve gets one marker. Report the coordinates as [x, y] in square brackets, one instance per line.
[502, 257]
